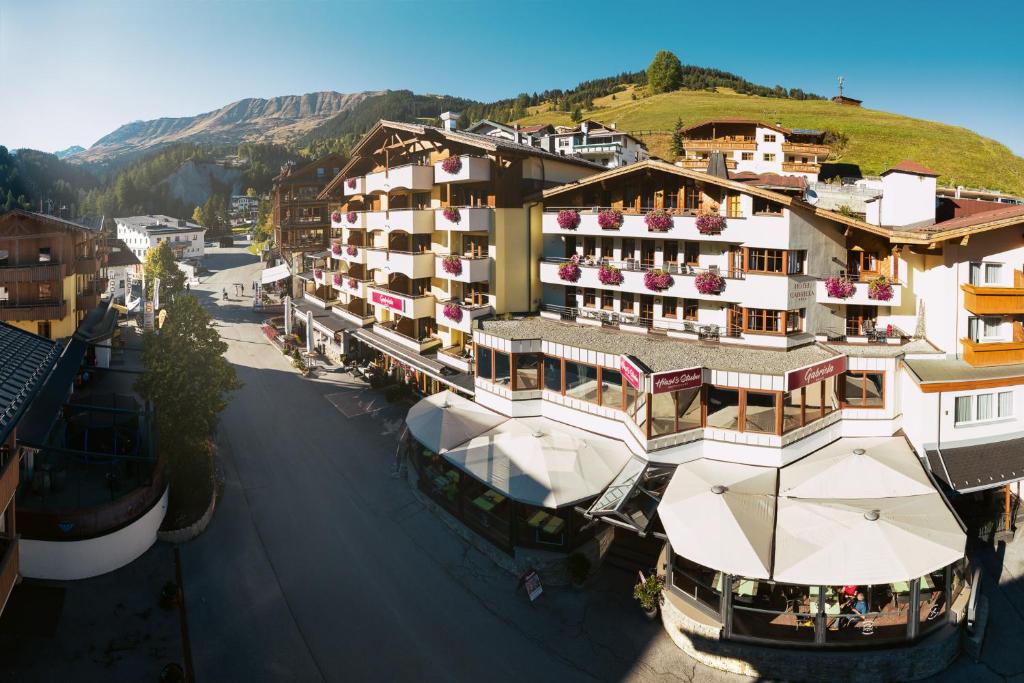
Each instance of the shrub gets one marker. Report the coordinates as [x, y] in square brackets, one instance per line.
[452, 264]
[657, 280]
[609, 275]
[452, 165]
[658, 220]
[839, 287]
[452, 214]
[610, 219]
[648, 591]
[568, 219]
[709, 283]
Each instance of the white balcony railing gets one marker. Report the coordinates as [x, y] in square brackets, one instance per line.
[353, 186]
[412, 221]
[756, 229]
[470, 269]
[417, 345]
[411, 264]
[468, 218]
[343, 220]
[465, 321]
[405, 304]
[355, 318]
[413, 177]
[861, 295]
[358, 257]
[473, 170]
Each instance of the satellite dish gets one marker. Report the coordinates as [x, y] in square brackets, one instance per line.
[811, 197]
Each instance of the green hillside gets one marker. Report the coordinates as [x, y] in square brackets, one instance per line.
[877, 139]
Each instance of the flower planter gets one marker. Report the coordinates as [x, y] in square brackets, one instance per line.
[451, 214]
[452, 264]
[568, 219]
[610, 219]
[710, 223]
[453, 312]
[657, 280]
[336, 217]
[658, 220]
[709, 283]
[352, 250]
[841, 287]
[451, 165]
[609, 275]
[336, 248]
[880, 289]
[337, 279]
[351, 217]
[569, 271]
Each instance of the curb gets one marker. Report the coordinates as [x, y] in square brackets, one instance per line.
[194, 529]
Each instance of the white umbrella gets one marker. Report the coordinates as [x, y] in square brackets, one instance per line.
[720, 515]
[864, 541]
[538, 461]
[445, 419]
[882, 467]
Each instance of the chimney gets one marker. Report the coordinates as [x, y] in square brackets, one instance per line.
[613, 125]
[449, 120]
[585, 127]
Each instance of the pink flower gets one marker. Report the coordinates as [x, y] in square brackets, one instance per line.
[452, 264]
[570, 270]
[657, 280]
[351, 216]
[451, 213]
[352, 283]
[610, 219]
[318, 274]
[336, 217]
[709, 283]
[352, 250]
[336, 248]
[840, 287]
[568, 219]
[658, 220]
[351, 182]
[453, 311]
[337, 279]
[609, 275]
[880, 289]
[710, 223]
[451, 165]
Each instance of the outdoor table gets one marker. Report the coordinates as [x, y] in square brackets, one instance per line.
[554, 525]
[538, 518]
[832, 610]
[484, 503]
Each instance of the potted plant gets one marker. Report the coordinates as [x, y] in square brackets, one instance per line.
[568, 219]
[657, 280]
[579, 568]
[336, 248]
[452, 214]
[609, 274]
[351, 216]
[318, 273]
[452, 264]
[337, 279]
[352, 250]
[453, 311]
[352, 284]
[336, 217]
[452, 165]
[709, 283]
[570, 270]
[839, 287]
[880, 289]
[710, 222]
[610, 219]
[648, 593]
[351, 182]
[658, 220]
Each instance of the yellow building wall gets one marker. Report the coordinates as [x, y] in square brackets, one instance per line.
[66, 326]
[510, 253]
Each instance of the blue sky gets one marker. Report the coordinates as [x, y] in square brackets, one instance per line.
[74, 71]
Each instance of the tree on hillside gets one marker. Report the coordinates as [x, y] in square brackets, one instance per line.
[665, 73]
[198, 217]
[160, 263]
[187, 379]
[577, 115]
[677, 138]
[250, 192]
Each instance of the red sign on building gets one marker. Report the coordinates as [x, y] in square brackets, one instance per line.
[815, 373]
[631, 372]
[388, 301]
[676, 380]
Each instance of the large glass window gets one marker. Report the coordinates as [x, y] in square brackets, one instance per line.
[764, 260]
[759, 412]
[611, 388]
[723, 408]
[862, 389]
[553, 373]
[484, 364]
[983, 407]
[487, 511]
[855, 613]
[581, 381]
[697, 582]
[763, 320]
[675, 411]
[527, 371]
[541, 527]
[502, 368]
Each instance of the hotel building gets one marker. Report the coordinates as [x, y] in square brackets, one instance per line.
[300, 216]
[755, 147]
[50, 273]
[142, 233]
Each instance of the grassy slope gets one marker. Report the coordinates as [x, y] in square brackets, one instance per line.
[877, 139]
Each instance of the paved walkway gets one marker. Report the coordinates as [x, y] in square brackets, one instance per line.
[320, 566]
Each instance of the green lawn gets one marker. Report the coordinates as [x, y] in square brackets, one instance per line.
[878, 139]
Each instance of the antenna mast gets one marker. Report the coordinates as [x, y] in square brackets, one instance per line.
[841, 81]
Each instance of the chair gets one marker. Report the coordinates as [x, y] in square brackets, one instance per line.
[870, 331]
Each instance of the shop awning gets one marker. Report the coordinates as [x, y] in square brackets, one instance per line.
[445, 420]
[864, 541]
[460, 381]
[721, 515]
[275, 274]
[538, 461]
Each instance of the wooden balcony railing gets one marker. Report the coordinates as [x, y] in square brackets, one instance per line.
[984, 354]
[702, 164]
[719, 144]
[88, 264]
[32, 272]
[34, 311]
[8, 480]
[805, 148]
[8, 568]
[983, 300]
[791, 167]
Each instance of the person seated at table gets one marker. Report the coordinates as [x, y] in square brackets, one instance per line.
[849, 591]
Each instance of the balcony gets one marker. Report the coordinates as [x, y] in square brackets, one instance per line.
[358, 224]
[598, 149]
[412, 177]
[409, 305]
[32, 272]
[702, 164]
[36, 311]
[416, 345]
[8, 480]
[411, 221]
[471, 269]
[805, 148]
[411, 264]
[88, 264]
[359, 257]
[456, 358]
[354, 286]
[474, 170]
[362, 320]
[8, 568]
[720, 144]
[791, 167]
[988, 300]
[984, 354]
[353, 186]
[469, 314]
[470, 218]
[861, 295]
[766, 230]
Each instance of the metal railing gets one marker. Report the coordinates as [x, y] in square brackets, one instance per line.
[701, 331]
[639, 265]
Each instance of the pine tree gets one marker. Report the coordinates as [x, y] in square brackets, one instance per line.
[677, 138]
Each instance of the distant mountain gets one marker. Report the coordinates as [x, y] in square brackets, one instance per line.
[70, 151]
[277, 120]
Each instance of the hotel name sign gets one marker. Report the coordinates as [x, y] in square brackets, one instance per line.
[660, 382]
[388, 301]
[801, 377]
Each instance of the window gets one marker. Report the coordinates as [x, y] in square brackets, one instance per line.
[611, 388]
[484, 363]
[759, 412]
[691, 253]
[982, 274]
[553, 374]
[590, 297]
[4, 294]
[669, 307]
[795, 320]
[746, 156]
[691, 198]
[733, 207]
[626, 302]
[981, 329]
[690, 309]
[527, 371]
[763, 320]
[628, 249]
[862, 389]
[675, 411]
[723, 408]
[44, 254]
[807, 404]
[769, 137]
[764, 260]
[502, 368]
[43, 328]
[764, 206]
[45, 291]
[581, 381]
[607, 299]
[797, 262]
[769, 156]
[983, 407]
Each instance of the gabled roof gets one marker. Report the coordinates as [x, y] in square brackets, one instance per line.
[119, 254]
[771, 181]
[25, 361]
[1000, 214]
[908, 166]
[753, 122]
[53, 220]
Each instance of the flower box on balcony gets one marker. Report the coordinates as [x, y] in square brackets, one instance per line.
[880, 289]
[352, 250]
[338, 279]
[658, 220]
[452, 165]
[453, 312]
[709, 283]
[841, 287]
[609, 275]
[610, 219]
[336, 216]
[657, 280]
[710, 223]
[452, 264]
[569, 271]
[451, 213]
[351, 217]
[568, 219]
[336, 248]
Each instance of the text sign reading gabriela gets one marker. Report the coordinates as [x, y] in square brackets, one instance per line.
[631, 372]
[815, 373]
[676, 380]
[392, 302]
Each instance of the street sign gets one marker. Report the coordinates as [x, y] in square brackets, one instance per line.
[147, 316]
